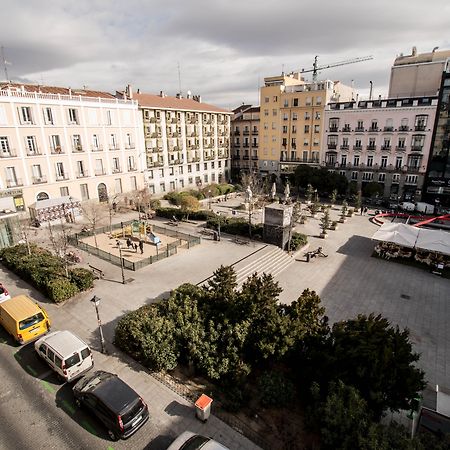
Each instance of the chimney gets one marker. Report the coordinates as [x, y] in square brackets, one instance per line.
[129, 91]
[414, 51]
[138, 91]
[161, 94]
[188, 94]
[197, 98]
[178, 95]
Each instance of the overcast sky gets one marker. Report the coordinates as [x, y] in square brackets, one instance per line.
[224, 48]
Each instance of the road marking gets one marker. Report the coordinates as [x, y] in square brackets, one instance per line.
[110, 448]
[48, 386]
[69, 406]
[88, 427]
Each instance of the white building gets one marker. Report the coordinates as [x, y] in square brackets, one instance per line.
[383, 141]
[187, 142]
[57, 142]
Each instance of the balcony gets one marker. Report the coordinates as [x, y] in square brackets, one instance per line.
[344, 147]
[34, 152]
[155, 164]
[255, 132]
[132, 168]
[332, 146]
[131, 146]
[100, 172]
[114, 147]
[403, 128]
[246, 157]
[359, 129]
[57, 150]
[97, 148]
[388, 129]
[412, 169]
[10, 153]
[194, 160]
[77, 149]
[61, 177]
[235, 157]
[82, 174]
[373, 130]
[245, 145]
[15, 182]
[208, 157]
[175, 162]
[420, 127]
[116, 170]
[371, 147]
[400, 148]
[357, 147]
[346, 129]
[246, 132]
[386, 148]
[416, 148]
[255, 157]
[39, 180]
[333, 128]
[152, 120]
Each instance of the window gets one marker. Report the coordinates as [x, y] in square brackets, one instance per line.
[384, 160]
[26, 117]
[11, 178]
[108, 117]
[274, 126]
[274, 112]
[37, 173]
[295, 102]
[80, 169]
[354, 175]
[172, 185]
[129, 140]
[333, 124]
[118, 186]
[369, 161]
[306, 130]
[398, 162]
[360, 126]
[396, 178]
[389, 125]
[151, 188]
[113, 142]
[367, 176]
[116, 165]
[205, 177]
[266, 99]
[161, 173]
[182, 184]
[31, 145]
[275, 98]
[404, 125]
[374, 125]
[417, 142]
[356, 160]
[307, 116]
[131, 163]
[266, 112]
[60, 174]
[189, 167]
[285, 116]
[381, 177]
[308, 101]
[358, 143]
[294, 116]
[286, 103]
[4, 145]
[401, 142]
[343, 160]
[387, 143]
[421, 122]
[48, 116]
[411, 179]
[73, 116]
[318, 101]
[95, 142]
[55, 144]
[205, 166]
[317, 115]
[64, 191]
[162, 187]
[99, 167]
[285, 129]
[76, 143]
[316, 128]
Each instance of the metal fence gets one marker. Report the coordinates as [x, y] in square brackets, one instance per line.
[183, 240]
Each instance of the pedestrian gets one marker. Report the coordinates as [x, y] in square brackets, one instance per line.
[135, 247]
[141, 246]
[129, 243]
[365, 210]
[362, 210]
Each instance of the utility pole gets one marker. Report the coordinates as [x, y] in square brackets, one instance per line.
[121, 261]
[96, 301]
[5, 63]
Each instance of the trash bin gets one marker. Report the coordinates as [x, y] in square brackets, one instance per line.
[203, 407]
[308, 257]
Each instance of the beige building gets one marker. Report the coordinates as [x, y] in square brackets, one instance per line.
[418, 75]
[187, 142]
[244, 140]
[291, 119]
[57, 143]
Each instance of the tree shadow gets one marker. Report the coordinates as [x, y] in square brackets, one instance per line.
[161, 442]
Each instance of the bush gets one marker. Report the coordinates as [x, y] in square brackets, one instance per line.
[60, 289]
[154, 204]
[82, 278]
[275, 389]
[179, 214]
[232, 225]
[298, 240]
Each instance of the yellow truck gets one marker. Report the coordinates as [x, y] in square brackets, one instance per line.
[23, 319]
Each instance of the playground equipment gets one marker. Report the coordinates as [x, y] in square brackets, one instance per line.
[153, 239]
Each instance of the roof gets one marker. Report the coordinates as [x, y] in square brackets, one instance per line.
[21, 307]
[436, 56]
[55, 90]
[167, 102]
[241, 108]
[64, 342]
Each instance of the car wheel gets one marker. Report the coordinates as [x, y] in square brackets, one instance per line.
[112, 435]
[77, 402]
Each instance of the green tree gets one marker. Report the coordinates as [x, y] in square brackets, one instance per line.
[309, 192]
[378, 360]
[358, 202]
[372, 189]
[333, 197]
[188, 205]
[325, 221]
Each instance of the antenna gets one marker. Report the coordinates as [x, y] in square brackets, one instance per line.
[5, 63]
[179, 78]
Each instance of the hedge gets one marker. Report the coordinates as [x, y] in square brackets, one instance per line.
[46, 272]
[234, 225]
[298, 240]
[169, 213]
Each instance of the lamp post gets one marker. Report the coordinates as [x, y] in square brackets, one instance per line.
[209, 196]
[96, 301]
[121, 261]
[218, 224]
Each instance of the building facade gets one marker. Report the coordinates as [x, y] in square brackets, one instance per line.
[244, 140]
[187, 142]
[437, 183]
[383, 141]
[291, 119]
[417, 75]
[57, 142]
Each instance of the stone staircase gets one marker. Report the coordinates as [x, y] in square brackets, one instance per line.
[270, 260]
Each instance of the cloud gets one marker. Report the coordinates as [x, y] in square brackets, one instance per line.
[223, 47]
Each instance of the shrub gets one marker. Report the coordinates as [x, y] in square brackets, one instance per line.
[60, 289]
[298, 240]
[154, 204]
[275, 389]
[179, 214]
[82, 278]
[233, 225]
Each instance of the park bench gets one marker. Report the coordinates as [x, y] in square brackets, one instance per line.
[98, 273]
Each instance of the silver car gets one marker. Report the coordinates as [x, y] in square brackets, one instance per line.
[191, 441]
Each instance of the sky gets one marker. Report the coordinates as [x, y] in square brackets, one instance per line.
[219, 49]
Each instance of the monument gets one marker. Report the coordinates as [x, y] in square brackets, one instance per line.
[277, 224]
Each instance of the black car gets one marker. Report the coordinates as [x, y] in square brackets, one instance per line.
[118, 406]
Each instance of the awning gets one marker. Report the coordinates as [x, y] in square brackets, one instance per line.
[397, 233]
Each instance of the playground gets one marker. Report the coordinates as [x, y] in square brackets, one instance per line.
[138, 243]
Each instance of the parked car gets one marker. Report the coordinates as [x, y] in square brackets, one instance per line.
[68, 355]
[113, 402]
[4, 294]
[191, 441]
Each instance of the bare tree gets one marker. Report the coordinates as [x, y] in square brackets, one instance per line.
[142, 199]
[95, 213]
[22, 233]
[60, 243]
[258, 186]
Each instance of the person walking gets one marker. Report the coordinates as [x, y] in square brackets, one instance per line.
[129, 243]
[141, 246]
[135, 247]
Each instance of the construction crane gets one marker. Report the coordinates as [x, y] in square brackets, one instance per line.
[315, 70]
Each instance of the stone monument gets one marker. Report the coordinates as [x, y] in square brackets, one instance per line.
[277, 224]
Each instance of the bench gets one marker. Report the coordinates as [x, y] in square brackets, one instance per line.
[98, 273]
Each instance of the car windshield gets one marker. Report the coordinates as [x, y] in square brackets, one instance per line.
[33, 320]
[72, 360]
[195, 442]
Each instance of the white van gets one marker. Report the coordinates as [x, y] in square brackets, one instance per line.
[65, 353]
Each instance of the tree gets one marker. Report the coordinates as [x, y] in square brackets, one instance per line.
[358, 202]
[376, 358]
[188, 205]
[372, 189]
[325, 221]
[142, 198]
[222, 293]
[95, 213]
[333, 197]
[344, 209]
[60, 243]
[309, 193]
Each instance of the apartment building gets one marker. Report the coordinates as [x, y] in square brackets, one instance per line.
[437, 183]
[416, 74]
[187, 142]
[291, 119]
[58, 142]
[384, 141]
[244, 140]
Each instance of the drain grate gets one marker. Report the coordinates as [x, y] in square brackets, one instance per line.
[406, 297]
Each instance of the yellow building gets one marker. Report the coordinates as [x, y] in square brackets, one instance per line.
[291, 121]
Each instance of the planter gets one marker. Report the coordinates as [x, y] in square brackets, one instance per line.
[333, 227]
[342, 220]
[323, 235]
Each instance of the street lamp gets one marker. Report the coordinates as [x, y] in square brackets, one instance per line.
[121, 260]
[209, 196]
[218, 225]
[96, 301]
